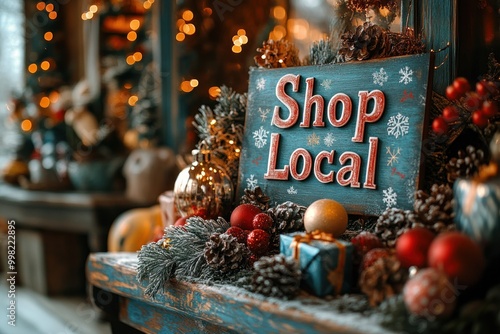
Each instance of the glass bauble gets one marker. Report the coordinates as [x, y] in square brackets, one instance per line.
[203, 189]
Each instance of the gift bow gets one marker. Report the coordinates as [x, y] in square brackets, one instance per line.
[335, 277]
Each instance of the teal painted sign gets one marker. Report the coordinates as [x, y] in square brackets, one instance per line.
[350, 132]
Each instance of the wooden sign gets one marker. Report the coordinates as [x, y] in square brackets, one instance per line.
[350, 132]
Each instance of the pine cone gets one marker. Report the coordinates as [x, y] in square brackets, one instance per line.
[362, 5]
[288, 217]
[435, 210]
[369, 41]
[277, 54]
[394, 222]
[466, 164]
[384, 278]
[223, 252]
[256, 197]
[276, 276]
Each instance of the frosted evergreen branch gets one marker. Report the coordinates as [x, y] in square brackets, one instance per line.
[156, 265]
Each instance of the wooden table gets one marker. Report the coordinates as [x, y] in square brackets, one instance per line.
[197, 308]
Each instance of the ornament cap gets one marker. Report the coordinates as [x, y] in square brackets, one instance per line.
[201, 155]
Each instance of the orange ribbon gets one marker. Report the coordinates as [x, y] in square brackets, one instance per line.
[335, 277]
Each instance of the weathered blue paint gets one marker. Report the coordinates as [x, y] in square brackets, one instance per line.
[405, 83]
[184, 307]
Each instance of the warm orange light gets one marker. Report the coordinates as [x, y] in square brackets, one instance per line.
[89, 15]
[44, 102]
[130, 60]
[135, 24]
[180, 36]
[137, 56]
[84, 16]
[26, 125]
[180, 23]
[128, 85]
[40, 5]
[147, 5]
[193, 83]
[49, 7]
[186, 86]
[133, 100]
[48, 36]
[243, 39]
[54, 97]
[214, 91]
[93, 8]
[279, 12]
[32, 68]
[189, 29]
[132, 36]
[236, 49]
[45, 65]
[187, 15]
[241, 32]
[52, 15]
[207, 11]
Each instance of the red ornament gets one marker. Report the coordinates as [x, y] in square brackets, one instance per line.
[373, 255]
[489, 108]
[262, 221]
[461, 85]
[258, 241]
[472, 101]
[238, 233]
[479, 118]
[429, 294]
[181, 221]
[412, 247]
[439, 126]
[366, 241]
[458, 256]
[482, 88]
[450, 114]
[242, 216]
[451, 93]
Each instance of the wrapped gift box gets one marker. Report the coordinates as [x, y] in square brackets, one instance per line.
[326, 263]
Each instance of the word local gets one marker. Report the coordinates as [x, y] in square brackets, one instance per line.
[348, 175]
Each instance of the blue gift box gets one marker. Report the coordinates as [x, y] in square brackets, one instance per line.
[326, 265]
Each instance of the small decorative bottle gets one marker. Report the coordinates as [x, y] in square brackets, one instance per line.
[203, 189]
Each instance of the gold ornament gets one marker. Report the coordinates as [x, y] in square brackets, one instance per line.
[203, 189]
[326, 215]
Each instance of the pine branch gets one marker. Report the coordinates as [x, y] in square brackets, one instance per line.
[322, 52]
[155, 265]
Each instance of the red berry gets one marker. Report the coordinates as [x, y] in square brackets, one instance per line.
[372, 256]
[238, 233]
[489, 108]
[412, 247]
[461, 85]
[242, 216]
[479, 118]
[451, 93]
[482, 88]
[450, 114]
[181, 221]
[258, 241]
[458, 256]
[439, 126]
[366, 241]
[262, 221]
[472, 101]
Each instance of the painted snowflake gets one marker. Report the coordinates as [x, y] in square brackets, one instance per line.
[261, 84]
[406, 75]
[380, 77]
[398, 125]
[421, 100]
[390, 198]
[329, 140]
[252, 182]
[326, 84]
[263, 113]
[292, 191]
[393, 155]
[313, 139]
[260, 137]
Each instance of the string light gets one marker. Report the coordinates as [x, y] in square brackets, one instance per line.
[26, 125]
[44, 102]
[135, 24]
[132, 36]
[180, 36]
[193, 83]
[133, 100]
[45, 65]
[49, 7]
[40, 6]
[54, 97]
[93, 9]
[130, 60]
[89, 15]
[48, 36]
[187, 15]
[279, 12]
[137, 56]
[214, 91]
[186, 86]
[53, 15]
[238, 40]
[32, 68]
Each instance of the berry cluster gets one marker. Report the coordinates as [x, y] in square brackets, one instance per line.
[480, 104]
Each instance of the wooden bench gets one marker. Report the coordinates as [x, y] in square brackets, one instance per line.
[198, 308]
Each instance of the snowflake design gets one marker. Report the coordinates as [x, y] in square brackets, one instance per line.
[390, 198]
[292, 190]
[326, 84]
[252, 182]
[406, 75]
[421, 100]
[261, 84]
[393, 155]
[398, 125]
[329, 140]
[260, 137]
[263, 113]
[380, 77]
[313, 139]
